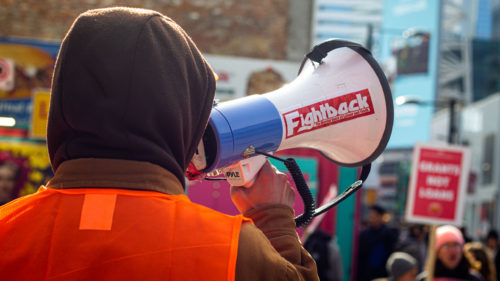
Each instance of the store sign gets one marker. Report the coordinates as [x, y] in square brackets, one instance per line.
[438, 184]
[409, 56]
[19, 109]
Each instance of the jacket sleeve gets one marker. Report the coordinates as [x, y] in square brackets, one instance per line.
[270, 249]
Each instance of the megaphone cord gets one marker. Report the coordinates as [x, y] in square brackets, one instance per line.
[365, 170]
[305, 193]
[302, 188]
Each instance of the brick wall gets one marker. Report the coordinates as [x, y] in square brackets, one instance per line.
[249, 28]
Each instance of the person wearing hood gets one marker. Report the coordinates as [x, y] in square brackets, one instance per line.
[130, 100]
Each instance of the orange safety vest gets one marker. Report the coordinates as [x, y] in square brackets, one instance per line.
[115, 234]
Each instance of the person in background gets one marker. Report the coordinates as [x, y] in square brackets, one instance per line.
[481, 264]
[402, 267]
[493, 246]
[415, 244]
[450, 261]
[130, 100]
[325, 251]
[376, 243]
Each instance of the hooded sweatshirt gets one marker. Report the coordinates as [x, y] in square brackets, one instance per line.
[130, 101]
[129, 84]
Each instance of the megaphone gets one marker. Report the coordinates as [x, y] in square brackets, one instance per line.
[340, 104]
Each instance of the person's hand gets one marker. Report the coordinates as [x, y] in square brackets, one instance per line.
[270, 186]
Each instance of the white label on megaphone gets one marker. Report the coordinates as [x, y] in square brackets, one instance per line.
[328, 112]
[244, 172]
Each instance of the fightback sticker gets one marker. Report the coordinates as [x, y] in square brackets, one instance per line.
[325, 113]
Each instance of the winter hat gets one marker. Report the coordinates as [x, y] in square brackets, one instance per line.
[446, 234]
[400, 263]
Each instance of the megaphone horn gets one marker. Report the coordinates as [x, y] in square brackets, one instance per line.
[340, 104]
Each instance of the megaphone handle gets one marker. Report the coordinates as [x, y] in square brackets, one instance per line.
[244, 172]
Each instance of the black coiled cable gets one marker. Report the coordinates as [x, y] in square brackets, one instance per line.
[310, 210]
[304, 191]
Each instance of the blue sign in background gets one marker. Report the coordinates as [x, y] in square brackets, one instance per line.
[19, 109]
[51, 47]
[411, 122]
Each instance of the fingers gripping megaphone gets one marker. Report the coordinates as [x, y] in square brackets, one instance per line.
[340, 104]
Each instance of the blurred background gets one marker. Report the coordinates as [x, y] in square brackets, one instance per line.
[442, 59]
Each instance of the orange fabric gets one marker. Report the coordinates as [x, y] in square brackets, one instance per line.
[97, 211]
[150, 236]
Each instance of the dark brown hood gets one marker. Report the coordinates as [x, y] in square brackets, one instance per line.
[129, 84]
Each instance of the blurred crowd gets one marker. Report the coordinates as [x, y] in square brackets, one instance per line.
[386, 253]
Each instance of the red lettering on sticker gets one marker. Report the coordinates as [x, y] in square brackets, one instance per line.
[326, 113]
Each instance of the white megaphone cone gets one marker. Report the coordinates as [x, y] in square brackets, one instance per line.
[341, 107]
